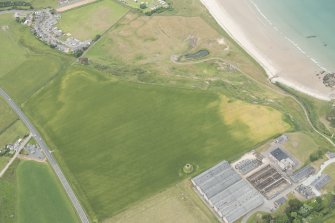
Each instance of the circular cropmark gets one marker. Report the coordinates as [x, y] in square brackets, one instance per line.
[188, 168]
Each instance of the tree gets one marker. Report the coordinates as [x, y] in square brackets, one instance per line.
[78, 53]
[294, 205]
[96, 37]
[143, 5]
[294, 214]
[267, 218]
[316, 155]
[281, 219]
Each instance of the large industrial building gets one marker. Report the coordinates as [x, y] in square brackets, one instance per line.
[255, 180]
[226, 192]
[283, 160]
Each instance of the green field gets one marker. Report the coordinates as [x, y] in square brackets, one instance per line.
[37, 3]
[13, 132]
[7, 115]
[10, 127]
[330, 170]
[8, 195]
[43, 3]
[26, 64]
[91, 19]
[40, 196]
[30, 76]
[139, 135]
[3, 161]
[123, 127]
[30, 192]
[11, 54]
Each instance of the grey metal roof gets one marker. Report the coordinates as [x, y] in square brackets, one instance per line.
[279, 154]
[224, 188]
[302, 173]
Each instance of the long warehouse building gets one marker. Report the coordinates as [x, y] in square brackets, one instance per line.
[226, 192]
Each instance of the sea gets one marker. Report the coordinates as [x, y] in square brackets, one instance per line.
[308, 24]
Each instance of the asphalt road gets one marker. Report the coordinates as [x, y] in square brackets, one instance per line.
[53, 163]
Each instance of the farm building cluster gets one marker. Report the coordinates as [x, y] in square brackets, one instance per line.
[44, 25]
[147, 6]
[32, 152]
[258, 180]
[10, 149]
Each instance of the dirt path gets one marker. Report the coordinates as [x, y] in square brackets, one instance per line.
[74, 5]
[18, 150]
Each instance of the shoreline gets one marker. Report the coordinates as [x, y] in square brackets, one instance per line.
[254, 32]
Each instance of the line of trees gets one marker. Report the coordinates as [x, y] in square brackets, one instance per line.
[314, 210]
[7, 4]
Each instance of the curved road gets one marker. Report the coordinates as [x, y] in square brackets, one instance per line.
[75, 202]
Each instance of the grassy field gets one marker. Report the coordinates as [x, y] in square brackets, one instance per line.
[7, 115]
[44, 3]
[26, 64]
[3, 161]
[31, 193]
[40, 196]
[300, 145]
[38, 3]
[330, 170]
[8, 195]
[30, 76]
[11, 54]
[177, 204]
[12, 133]
[124, 134]
[91, 19]
[150, 42]
[243, 116]
[137, 133]
[256, 218]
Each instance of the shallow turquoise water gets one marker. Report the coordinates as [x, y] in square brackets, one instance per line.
[309, 23]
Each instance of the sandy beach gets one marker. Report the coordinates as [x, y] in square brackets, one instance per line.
[281, 58]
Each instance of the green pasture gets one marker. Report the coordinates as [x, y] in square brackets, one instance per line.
[87, 21]
[3, 161]
[7, 115]
[11, 53]
[38, 3]
[30, 76]
[44, 3]
[122, 142]
[8, 195]
[15, 131]
[26, 64]
[301, 146]
[40, 196]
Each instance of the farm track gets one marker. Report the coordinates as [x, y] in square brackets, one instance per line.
[74, 5]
